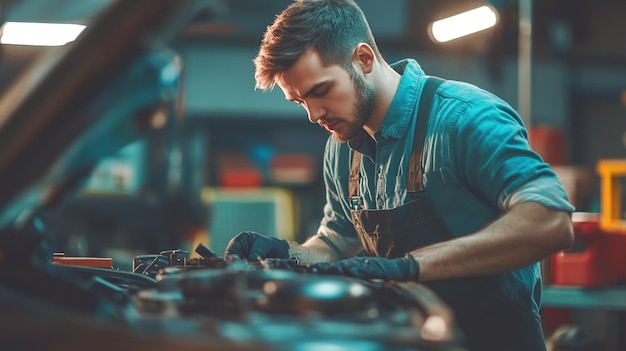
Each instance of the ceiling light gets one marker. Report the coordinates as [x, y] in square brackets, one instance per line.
[39, 34]
[464, 24]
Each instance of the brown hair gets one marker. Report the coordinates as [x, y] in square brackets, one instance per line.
[331, 27]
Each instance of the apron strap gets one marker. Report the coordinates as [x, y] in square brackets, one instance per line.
[414, 181]
[354, 180]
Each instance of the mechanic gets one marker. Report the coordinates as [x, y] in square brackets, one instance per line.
[427, 180]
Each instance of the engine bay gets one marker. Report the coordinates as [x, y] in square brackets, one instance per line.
[274, 304]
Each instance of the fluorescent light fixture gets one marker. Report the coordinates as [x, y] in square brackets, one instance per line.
[39, 34]
[464, 24]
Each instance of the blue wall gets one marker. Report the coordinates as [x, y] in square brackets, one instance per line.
[232, 67]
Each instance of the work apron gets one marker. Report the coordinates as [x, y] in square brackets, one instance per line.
[488, 320]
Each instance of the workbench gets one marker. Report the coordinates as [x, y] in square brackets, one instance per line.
[607, 298]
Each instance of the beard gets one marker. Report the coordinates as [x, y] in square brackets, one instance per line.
[363, 106]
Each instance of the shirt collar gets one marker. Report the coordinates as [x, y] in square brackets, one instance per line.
[404, 102]
[399, 114]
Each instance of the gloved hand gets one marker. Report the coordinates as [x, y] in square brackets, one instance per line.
[399, 269]
[251, 246]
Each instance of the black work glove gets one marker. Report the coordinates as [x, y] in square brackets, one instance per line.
[399, 269]
[252, 246]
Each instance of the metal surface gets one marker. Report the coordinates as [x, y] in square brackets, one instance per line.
[611, 298]
[524, 92]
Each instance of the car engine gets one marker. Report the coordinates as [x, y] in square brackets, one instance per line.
[273, 304]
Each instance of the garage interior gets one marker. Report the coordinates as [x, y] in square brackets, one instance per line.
[241, 159]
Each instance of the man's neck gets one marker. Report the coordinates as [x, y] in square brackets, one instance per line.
[386, 82]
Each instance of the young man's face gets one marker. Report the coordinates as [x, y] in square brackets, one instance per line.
[338, 101]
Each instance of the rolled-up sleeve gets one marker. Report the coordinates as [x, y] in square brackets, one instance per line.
[546, 191]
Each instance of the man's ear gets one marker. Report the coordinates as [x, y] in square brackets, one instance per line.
[364, 57]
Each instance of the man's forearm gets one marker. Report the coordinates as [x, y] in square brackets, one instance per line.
[311, 251]
[525, 235]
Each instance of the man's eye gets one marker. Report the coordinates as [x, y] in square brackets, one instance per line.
[321, 92]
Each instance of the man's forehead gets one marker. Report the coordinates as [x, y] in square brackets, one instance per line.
[307, 72]
[302, 74]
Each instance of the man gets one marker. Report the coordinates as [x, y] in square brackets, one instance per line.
[431, 183]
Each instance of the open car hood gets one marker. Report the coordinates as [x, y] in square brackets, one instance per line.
[114, 85]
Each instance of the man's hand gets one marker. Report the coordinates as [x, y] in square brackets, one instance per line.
[252, 246]
[399, 269]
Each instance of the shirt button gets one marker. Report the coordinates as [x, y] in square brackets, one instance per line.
[380, 202]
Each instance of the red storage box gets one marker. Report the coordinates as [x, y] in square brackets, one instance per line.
[616, 252]
[587, 263]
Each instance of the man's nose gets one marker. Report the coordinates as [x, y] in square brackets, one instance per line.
[315, 112]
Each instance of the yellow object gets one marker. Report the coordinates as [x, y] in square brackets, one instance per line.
[610, 172]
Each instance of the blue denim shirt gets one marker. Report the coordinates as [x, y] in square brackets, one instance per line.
[477, 165]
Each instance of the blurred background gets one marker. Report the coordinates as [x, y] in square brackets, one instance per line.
[240, 159]
[252, 156]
